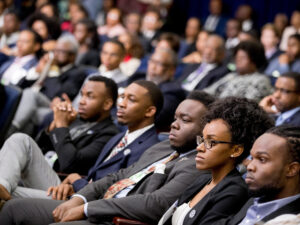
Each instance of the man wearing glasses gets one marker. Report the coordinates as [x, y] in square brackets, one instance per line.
[284, 103]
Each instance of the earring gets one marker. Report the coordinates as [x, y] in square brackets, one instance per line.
[231, 156]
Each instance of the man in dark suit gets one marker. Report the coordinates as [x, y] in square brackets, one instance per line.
[150, 194]
[71, 143]
[284, 103]
[28, 49]
[136, 109]
[62, 77]
[273, 177]
[197, 77]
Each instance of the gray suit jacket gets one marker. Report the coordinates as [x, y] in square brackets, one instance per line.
[151, 196]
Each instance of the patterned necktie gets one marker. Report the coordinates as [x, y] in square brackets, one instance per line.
[122, 144]
[124, 183]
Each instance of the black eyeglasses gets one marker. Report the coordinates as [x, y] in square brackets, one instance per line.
[284, 91]
[209, 143]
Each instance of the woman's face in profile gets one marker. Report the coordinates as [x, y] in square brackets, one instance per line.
[218, 154]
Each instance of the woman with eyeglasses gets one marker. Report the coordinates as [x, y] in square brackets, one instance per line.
[230, 128]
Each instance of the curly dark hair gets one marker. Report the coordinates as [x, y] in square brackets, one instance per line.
[292, 137]
[255, 52]
[245, 119]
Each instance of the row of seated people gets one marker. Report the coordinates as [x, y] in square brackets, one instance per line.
[211, 76]
[224, 131]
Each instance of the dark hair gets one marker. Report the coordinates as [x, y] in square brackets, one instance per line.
[295, 36]
[154, 92]
[201, 96]
[172, 39]
[121, 46]
[12, 12]
[54, 8]
[37, 39]
[81, 8]
[255, 52]
[91, 29]
[110, 85]
[246, 120]
[292, 137]
[295, 76]
[52, 25]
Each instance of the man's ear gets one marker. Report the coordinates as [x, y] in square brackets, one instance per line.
[36, 47]
[150, 112]
[293, 169]
[237, 151]
[108, 103]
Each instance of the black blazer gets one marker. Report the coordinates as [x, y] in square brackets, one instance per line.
[210, 78]
[80, 154]
[223, 200]
[291, 208]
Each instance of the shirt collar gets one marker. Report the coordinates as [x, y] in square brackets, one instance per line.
[135, 134]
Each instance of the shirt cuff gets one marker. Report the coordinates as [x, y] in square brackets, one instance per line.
[80, 196]
[85, 209]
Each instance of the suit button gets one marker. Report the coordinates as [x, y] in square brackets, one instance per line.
[192, 213]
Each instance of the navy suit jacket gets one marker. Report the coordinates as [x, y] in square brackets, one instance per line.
[294, 120]
[31, 63]
[123, 159]
[210, 78]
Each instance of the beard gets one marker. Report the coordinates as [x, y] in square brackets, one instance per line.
[185, 148]
[267, 192]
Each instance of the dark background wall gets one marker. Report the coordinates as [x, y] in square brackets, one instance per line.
[265, 10]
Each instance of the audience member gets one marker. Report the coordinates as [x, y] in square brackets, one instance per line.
[74, 143]
[76, 12]
[147, 197]
[290, 30]
[150, 29]
[226, 141]
[215, 21]
[244, 14]
[270, 39]
[196, 56]
[210, 70]
[134, 52]
[113, 26]
[187, 45]
[62, 77]
[28, 49]
[272, 178]
[85, 32]
[284, 103]
[111, 56]
[132, 23]
[233, 28]
[288, 61]
[280, 22]
[47, 28]
[49, 10]
[246, 81]
[10, 31]
[161, 69]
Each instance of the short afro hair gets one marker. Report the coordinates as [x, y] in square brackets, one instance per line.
[111, 86]
[292, 137]
[245, 119]
[201, 96]
[255, 52]
[156, 96]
